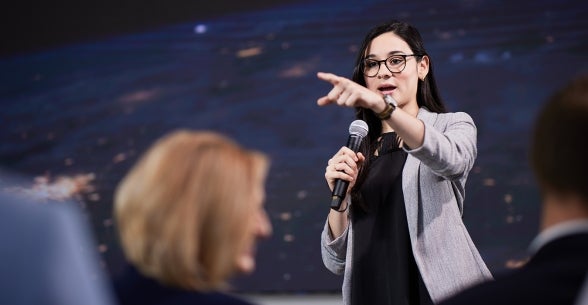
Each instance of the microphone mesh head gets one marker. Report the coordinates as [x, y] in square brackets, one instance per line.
[358, 127]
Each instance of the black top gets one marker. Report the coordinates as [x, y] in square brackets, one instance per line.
[384, 269]
[133, 288]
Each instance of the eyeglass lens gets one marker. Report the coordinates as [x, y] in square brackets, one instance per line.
[394, 64]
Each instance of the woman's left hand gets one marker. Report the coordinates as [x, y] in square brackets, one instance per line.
[348, 93]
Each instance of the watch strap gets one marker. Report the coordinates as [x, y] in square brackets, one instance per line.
[390, 107]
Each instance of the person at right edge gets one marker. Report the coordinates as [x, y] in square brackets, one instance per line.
[559, 253]
[399, 237]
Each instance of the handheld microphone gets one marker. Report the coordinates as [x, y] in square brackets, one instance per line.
[358, 129]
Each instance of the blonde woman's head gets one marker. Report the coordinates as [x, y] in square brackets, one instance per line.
[191, 209]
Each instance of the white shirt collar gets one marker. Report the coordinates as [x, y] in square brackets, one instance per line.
[557, 231]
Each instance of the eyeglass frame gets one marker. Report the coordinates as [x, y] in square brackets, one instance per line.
[379, 62]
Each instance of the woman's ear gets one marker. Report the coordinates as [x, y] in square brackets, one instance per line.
[423, 67]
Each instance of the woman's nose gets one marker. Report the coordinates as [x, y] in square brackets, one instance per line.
[264, 226]
[384, 75]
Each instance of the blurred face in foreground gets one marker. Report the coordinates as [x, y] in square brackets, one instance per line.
[258, 226]
[190, 212]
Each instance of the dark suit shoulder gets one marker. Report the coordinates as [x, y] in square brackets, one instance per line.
[552, 276]
[212, 298]
[133, 288]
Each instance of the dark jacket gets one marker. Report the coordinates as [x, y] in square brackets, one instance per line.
[133, 288]
[553, 275]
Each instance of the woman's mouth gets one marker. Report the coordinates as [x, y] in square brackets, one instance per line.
[386, 89]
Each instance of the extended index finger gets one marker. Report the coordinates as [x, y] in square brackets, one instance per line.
[329, 77]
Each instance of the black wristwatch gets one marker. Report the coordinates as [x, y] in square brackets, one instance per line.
[391, 105]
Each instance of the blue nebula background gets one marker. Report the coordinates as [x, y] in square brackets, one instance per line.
[78, 106]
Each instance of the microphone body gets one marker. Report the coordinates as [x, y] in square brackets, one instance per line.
[357, 131]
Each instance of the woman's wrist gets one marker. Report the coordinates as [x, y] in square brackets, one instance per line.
[347, 202]
[390, 105]
[381, 105]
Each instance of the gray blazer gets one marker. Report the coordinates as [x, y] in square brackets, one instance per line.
[433, 181]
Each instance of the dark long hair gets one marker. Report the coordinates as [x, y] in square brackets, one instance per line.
[427, 92]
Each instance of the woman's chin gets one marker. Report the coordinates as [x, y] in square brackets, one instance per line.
[246, 264]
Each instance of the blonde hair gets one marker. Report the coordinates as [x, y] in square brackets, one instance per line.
[182, 209]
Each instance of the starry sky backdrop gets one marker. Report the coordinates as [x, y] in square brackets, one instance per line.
[86, 88]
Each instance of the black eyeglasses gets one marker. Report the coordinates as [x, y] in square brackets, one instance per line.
[395, 64]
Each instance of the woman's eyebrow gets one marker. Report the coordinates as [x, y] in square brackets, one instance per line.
[389, 53]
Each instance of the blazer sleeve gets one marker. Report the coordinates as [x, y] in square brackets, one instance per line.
[449, 146]
[333, 251]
